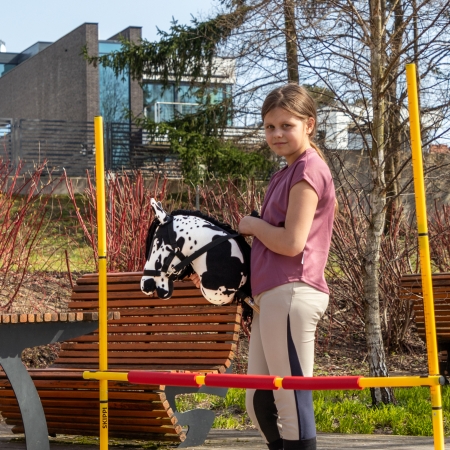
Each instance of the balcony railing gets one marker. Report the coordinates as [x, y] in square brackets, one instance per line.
[161, 112]
[168, 111]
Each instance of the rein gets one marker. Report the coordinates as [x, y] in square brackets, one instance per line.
[173, 271]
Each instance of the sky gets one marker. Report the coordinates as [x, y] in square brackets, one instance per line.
[25, 22]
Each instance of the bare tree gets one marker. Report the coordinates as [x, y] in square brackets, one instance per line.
[353, 51]
[358, 50]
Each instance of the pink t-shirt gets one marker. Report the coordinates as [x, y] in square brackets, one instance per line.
[269, 269]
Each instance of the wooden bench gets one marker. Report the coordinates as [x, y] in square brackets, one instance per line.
[20, 331]
[411, 289]
[185, 333]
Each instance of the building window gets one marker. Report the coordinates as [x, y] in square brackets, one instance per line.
[114, 90]
[6, 68]
[164, 105]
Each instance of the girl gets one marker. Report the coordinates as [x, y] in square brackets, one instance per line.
[289, 253]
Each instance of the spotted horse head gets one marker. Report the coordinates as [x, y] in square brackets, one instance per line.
[184, 242]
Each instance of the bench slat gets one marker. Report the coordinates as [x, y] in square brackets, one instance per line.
[146, 416]
[141, 337]
[81, 417]
[56, 383]
[191, 311]
[129, 355]
[217, 318]
[143, 361]
[151, 347]
[120, 302]
[132, 294]
[173, 365]
[92, 289]
[93, 394]
[90, 404]
[187, 328]
[122, 432]
[440, 320]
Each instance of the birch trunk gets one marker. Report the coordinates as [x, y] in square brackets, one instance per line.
[377, 200]
[291, 41]
[394, 127]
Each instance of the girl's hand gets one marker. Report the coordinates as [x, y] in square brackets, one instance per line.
[196, 280]
[246, 226]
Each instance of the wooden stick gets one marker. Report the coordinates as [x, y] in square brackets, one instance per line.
[250, 302]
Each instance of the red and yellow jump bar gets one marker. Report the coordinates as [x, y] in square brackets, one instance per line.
[264, 382]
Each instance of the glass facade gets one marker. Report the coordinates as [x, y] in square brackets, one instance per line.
[115, 103]
[163, 105]
[114, 91]
[6, 68]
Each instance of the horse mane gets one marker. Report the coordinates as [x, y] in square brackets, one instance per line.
[150, 234]
[214, 221]
[240, 240]
[243, 244]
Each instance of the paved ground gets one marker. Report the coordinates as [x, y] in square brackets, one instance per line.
[237, 440]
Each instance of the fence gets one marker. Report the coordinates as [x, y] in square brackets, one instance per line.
[128, 147]
[70, 146]
[5, 138]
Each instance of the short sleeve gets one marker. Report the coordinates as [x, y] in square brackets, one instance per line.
[312, 169]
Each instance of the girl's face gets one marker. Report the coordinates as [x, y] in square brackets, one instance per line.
[286, 134]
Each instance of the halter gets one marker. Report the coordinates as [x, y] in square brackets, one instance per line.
[173, 271]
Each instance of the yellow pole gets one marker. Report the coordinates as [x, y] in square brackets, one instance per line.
[424, 249]
[369, 382]
[102, 280]
[110, 376]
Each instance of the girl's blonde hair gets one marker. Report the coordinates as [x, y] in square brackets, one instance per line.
[295, 100]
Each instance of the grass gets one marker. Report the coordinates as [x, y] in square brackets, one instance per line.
[62, 233]
[230, 411]
[339, 411]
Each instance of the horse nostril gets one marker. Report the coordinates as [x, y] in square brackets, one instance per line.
[149, 285]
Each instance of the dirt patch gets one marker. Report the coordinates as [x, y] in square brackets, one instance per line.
[40, 292]
[344, 352]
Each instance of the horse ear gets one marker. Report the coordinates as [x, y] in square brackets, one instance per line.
[159, 211]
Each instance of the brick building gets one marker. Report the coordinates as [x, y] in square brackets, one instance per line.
[53, 81]
[49, 96]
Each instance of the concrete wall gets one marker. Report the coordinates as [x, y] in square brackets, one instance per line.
[57, 83]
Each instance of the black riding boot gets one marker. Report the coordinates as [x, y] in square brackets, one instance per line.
[277, 445]
[307, 444]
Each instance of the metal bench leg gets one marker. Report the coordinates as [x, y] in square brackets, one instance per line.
[33, 417]
[13, 339]
[199, 421]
